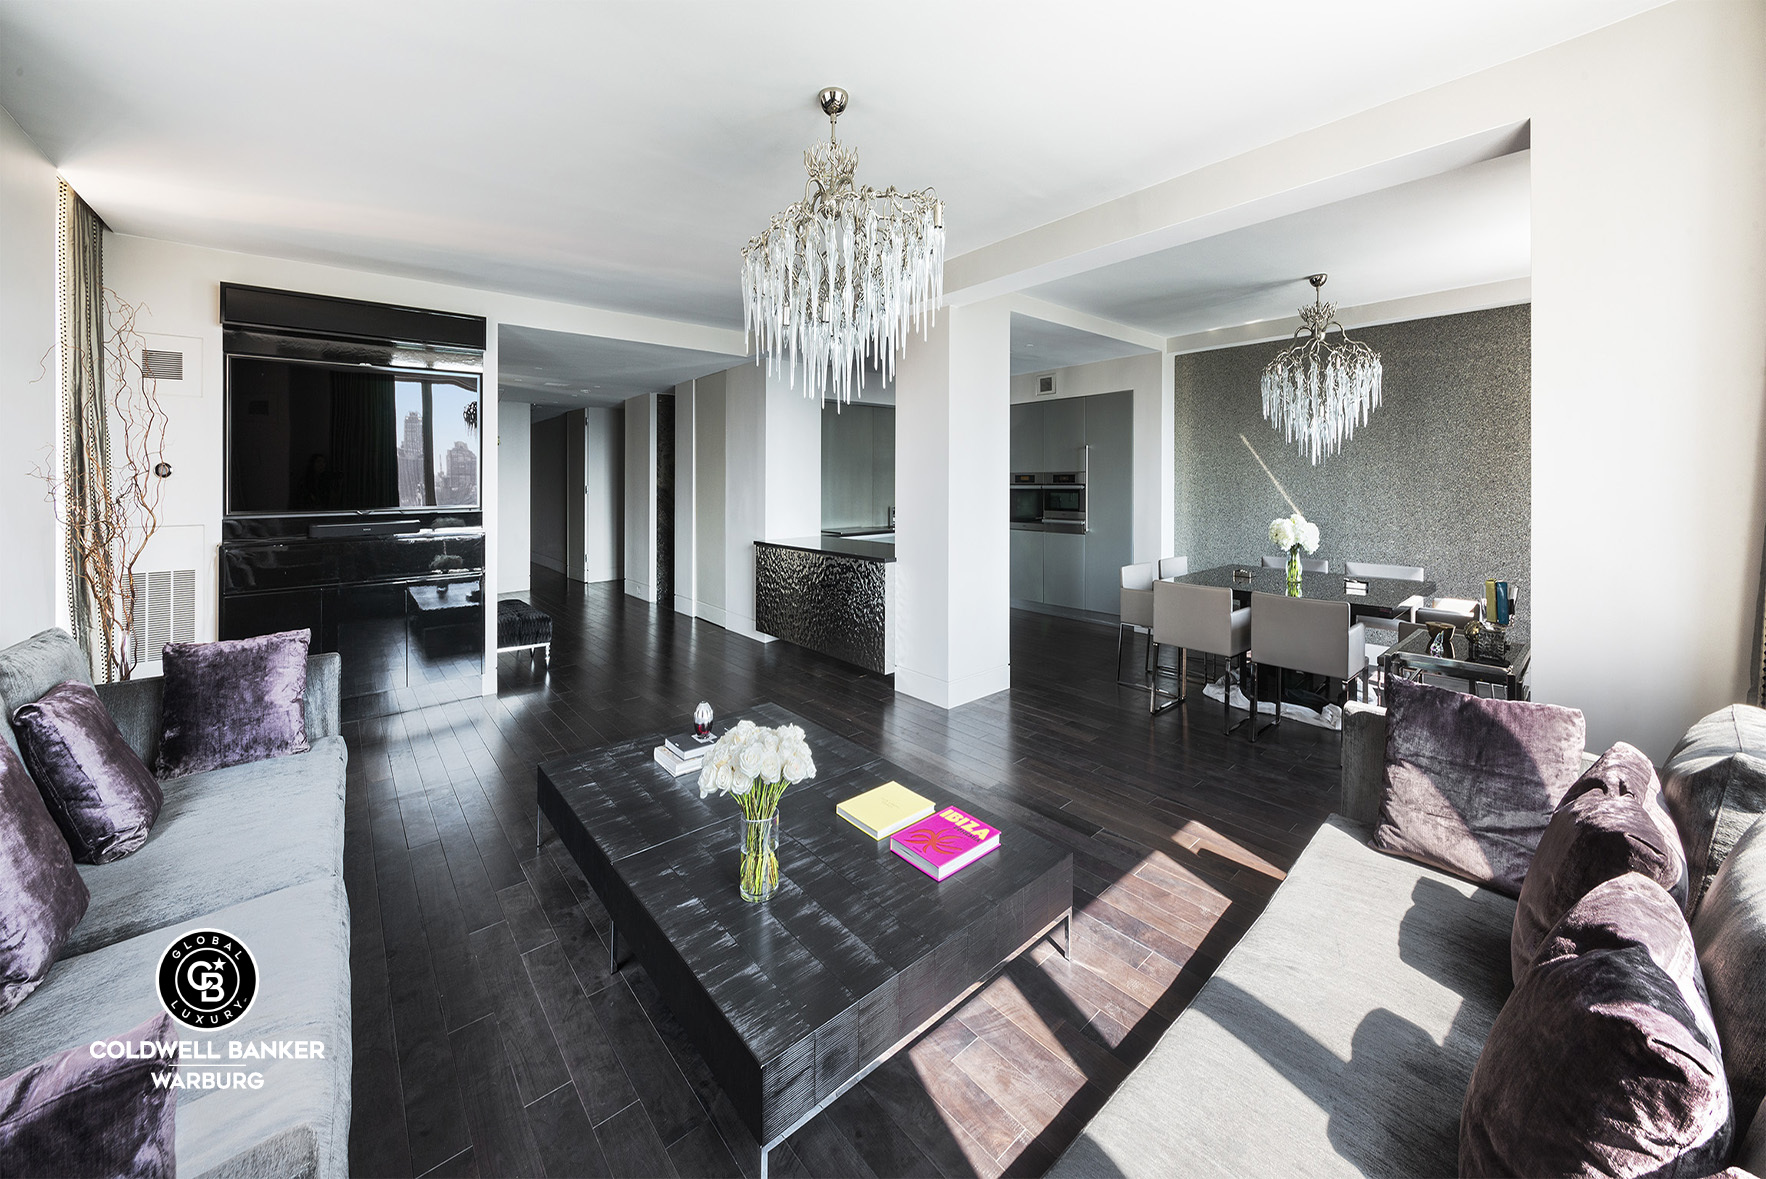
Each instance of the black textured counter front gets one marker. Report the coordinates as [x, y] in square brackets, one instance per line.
[825, 599]
[865, 550]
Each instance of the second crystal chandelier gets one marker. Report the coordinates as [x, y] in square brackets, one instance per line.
[1317, 392]
[838, 280]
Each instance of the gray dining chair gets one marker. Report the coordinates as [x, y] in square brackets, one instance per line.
[1173, 566]
[1308, 635]
[1136, 613]
[1375, 569]
[1199, 618]
[1307, 564]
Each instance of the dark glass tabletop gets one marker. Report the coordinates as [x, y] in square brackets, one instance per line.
[1383, 595]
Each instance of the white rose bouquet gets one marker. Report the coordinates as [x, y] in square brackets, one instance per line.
[1296, 531]
[754, 765]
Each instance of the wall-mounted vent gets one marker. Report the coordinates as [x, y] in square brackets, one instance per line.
[160, 365]
[1045, 385]
[172, 363]
[165, 611]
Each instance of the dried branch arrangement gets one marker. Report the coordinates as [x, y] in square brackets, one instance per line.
[110, 528]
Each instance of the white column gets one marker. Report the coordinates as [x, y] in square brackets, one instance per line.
[952, 462]
[490, 504]
[514, 495]
[772, 478]
[640, 496]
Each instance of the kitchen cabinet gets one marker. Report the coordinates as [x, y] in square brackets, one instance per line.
[1063, 569]
[1027, 441]
[1109, 540]
[1063, 434]
[1076, 571]
[1027, 560]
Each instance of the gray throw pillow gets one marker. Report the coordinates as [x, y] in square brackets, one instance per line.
[1611, 822]
[1471, 783]
[31, 668]
[77, 1113]
[1605, 1060]
[42, 896]
[1715, 784]
[233, 702]
[1730, 932]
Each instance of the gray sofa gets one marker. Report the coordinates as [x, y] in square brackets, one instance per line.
[1338, 1036]
[253, 850]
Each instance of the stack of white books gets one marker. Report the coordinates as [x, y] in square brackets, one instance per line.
[684, 753]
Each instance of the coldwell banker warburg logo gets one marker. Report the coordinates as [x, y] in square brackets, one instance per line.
[207, 979]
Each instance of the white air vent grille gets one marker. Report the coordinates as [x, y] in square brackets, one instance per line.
[165, 611]
[1045, 385]
[160, 365]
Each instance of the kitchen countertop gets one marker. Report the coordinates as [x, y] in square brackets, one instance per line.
[864, 550]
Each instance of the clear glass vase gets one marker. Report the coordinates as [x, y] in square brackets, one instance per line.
[760, 856]
[1294, 571]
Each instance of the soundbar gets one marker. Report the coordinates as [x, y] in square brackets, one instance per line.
[364, 528]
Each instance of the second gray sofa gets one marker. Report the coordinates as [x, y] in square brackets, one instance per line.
[1339, 1035]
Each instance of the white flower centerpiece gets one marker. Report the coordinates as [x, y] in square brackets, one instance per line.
[754, 765]
[1294, 533]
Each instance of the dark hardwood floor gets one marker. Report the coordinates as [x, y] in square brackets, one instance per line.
[492, 1039]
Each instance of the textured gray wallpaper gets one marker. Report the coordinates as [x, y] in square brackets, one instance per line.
[1440, 477]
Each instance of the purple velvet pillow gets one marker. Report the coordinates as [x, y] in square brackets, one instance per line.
[1604, 1061]
[101, 795]
[1471, 783]
[42, 896]
[1612, 821]
[78, 1114]
[233, 702]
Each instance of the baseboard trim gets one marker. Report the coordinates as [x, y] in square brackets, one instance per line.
[953, 693]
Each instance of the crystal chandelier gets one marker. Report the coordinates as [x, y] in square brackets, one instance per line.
[1316, 391]
[838, 280]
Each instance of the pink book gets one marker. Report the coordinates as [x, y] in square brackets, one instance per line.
[945, 843]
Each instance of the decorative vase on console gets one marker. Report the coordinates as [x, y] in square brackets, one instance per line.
[1294, 533]
[754, 765]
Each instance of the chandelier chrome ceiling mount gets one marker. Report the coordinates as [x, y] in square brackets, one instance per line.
[1316, 392]
[838, 280]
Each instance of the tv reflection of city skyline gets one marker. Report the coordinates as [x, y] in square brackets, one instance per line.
[455, 478]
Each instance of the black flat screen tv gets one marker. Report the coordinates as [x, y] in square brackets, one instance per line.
[309, 438]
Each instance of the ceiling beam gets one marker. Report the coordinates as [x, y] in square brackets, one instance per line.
[1365, 153]
[1082, 321]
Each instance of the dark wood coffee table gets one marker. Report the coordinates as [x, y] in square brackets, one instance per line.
[793, 1001]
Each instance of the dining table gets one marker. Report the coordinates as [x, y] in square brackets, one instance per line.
[1374, 597]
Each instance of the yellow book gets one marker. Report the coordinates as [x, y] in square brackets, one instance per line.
[882, 812]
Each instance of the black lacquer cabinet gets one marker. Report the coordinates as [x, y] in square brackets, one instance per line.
[406, 612]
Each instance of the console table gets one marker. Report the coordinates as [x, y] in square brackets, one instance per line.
[793, 1001]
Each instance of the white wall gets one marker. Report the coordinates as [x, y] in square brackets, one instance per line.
[514, 495]
[709, 444]
[640, 497]
[1148, 377]
[603, 483]
[686, 501]
[745, 457]
[29, 381]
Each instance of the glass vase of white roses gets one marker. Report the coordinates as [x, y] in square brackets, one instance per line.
[1294, 533]
[754, 765]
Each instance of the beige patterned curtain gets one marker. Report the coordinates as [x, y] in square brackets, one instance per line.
[85, 436]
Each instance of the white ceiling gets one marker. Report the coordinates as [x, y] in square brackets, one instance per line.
[567, 370]
[1038, 346]
[619, 154]
[1446, 232]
